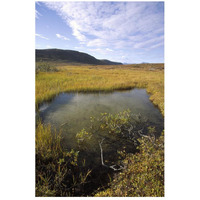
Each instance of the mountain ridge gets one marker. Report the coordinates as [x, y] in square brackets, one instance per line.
[70, 56]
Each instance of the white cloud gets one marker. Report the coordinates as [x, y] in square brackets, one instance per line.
[61, 37]
[149, 43]
[157, 45]
[97, 43]
[116, 25]
[107, 49]
[41, 36]
[37, 14]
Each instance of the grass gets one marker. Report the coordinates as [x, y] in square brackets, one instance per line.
[106, 78]
[57, 170]
[144, 174]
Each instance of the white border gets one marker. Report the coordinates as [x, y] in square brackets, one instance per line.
[181, 99]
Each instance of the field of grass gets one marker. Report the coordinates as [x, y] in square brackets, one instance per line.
[107, 78]
[144, 174]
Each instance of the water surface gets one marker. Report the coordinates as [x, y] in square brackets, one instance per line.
[72, 111]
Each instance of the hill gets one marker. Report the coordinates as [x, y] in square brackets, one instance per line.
[70, 56]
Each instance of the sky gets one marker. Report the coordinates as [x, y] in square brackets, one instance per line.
[127, 32]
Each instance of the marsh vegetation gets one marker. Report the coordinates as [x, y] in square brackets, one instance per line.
[102, 78]
[133, 168]
[72, 111]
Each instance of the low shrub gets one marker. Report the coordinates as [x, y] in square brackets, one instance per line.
[45, 67]
[57, 172]
[137, 164]
[144, 172]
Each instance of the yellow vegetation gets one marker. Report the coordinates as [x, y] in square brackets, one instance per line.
[144, 173]
[95, 78]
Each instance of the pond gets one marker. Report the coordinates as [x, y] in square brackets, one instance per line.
[71, 112]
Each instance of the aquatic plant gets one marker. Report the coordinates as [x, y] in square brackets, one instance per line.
[62, 172]
[119, 131]
[144, 172]
[57, 171]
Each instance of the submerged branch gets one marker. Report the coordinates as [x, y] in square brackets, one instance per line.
[63, 124]
[150, 137]
[113, 167]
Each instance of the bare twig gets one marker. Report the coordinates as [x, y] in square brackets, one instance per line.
[113, 167]
[63, 124]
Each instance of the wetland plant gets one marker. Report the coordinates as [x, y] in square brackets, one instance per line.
[134, 168]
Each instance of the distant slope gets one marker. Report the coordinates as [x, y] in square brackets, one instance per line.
[108, 62]
[70, 56]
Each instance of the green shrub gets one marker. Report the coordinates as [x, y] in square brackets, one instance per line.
[144, 172]
[45, 67]
[64, 173]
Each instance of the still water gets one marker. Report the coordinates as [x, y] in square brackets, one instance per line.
[71, 112]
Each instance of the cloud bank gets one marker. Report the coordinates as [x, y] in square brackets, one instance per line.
[117, 25]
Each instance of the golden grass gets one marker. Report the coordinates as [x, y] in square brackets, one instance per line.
[145, 171]
[107, 78]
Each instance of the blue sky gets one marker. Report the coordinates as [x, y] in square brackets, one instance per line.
[128, 32]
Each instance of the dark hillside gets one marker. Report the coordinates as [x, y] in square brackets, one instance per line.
[70, 56]
[108, 62]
